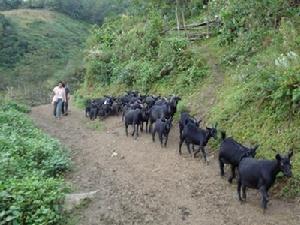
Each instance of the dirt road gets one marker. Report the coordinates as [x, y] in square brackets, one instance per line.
[144, 184]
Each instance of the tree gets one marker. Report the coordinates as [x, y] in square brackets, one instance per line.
[10, 4]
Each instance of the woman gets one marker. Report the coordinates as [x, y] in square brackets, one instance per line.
[60, 97]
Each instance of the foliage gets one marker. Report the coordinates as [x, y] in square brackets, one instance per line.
[31, 189]
[7, 106]
[115, 58]
[246, 24]
[259, 102]
[10, 4]
[37, 49]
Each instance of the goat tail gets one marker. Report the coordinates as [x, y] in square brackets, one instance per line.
[223, 135]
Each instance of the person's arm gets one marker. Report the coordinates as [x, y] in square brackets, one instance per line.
[54, 93]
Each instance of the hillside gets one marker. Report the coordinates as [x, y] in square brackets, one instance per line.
[241, 70]
[38, 47]
[235, 63]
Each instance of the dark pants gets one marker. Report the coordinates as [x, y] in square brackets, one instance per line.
[66, 106]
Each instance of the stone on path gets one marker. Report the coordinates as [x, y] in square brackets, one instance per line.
[75, 200]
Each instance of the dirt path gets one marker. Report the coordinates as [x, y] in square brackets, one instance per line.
[145, 184]
[206, 96]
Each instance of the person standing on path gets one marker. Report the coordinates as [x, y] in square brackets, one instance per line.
[60, 97]
[66, 104]
[63, 103]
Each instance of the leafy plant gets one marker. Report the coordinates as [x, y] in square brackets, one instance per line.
[31, 189]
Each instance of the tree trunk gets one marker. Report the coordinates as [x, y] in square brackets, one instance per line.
[183, 20]
[177, 17]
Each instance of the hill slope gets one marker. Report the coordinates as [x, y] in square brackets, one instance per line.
[39, 47]
[243, 73]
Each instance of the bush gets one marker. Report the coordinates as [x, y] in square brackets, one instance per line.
[31, 200]
[247, 24]
[31, 163]
[15, 106]
[115, 58]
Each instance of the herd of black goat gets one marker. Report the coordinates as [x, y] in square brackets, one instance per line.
[138, 110]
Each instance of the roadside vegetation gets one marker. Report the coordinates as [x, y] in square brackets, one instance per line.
[32, 164]
[255, 47]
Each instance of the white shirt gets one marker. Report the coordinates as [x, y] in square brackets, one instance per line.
[59, 93]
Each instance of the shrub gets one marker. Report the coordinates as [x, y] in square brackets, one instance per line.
[15, 106]
[31, 163]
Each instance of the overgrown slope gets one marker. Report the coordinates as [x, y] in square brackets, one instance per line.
[38, 47]
[244, 73]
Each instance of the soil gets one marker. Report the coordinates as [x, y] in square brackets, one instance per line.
[138, 182]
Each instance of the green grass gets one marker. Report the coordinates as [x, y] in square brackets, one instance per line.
[95, 125]
[40, 48]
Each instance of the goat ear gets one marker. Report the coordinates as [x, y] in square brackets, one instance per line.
[278, 157]
[290, 153]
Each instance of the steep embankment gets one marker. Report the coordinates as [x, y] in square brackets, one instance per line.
[241, 71]
[38, 47]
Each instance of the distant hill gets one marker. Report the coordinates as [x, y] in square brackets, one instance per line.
[38, 47]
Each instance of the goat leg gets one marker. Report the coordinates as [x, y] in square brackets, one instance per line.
[239, 189]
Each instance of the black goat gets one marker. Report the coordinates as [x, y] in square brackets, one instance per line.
[93, 113]
[185, 118]
[173, 104]
[261, 175]
[191, 134]
[159, 112]
[145, 118]
[231, 152]
[162, 127]
[133, 117]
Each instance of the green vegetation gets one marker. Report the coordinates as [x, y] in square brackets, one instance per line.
[259, 101]
[10, 4]
[156, 62]
[243, 73]
[37, 48]
[31, 187]
[95, 126]
[93, 11]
